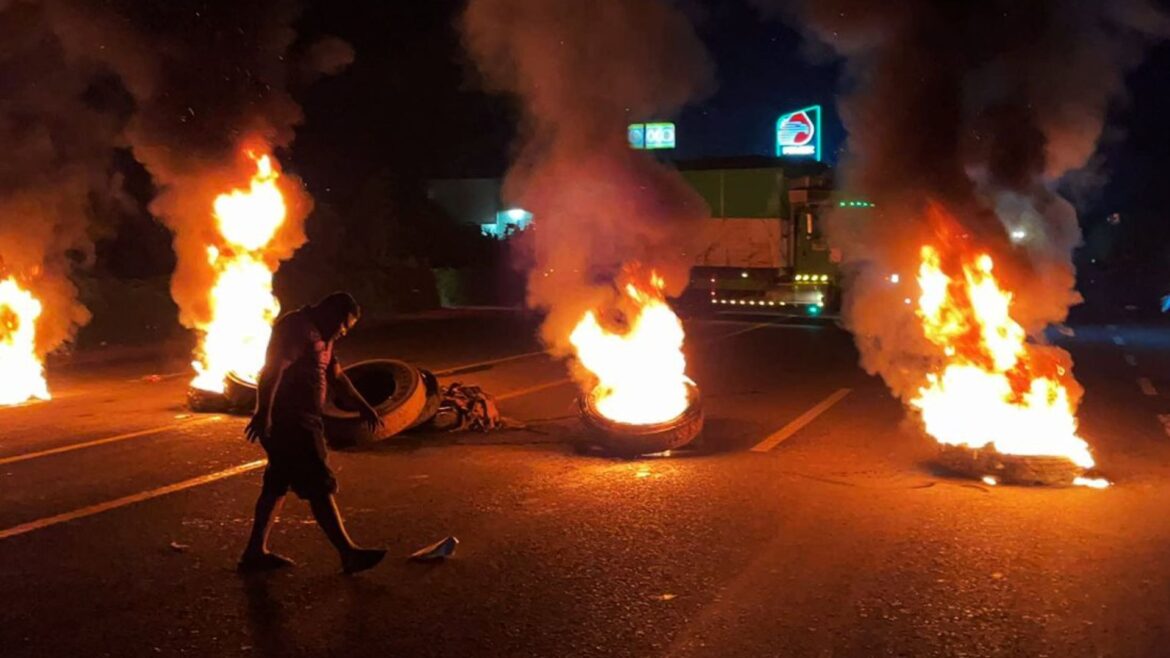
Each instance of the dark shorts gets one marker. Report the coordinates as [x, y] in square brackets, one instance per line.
[297, 460]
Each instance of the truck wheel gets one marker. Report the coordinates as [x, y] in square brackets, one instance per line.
[396, 391]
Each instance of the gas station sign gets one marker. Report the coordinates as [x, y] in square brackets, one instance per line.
[798, 134]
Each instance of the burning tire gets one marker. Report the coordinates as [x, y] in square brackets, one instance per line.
[1023, 470]
[629, 440]
[238, 397]
[396, 391]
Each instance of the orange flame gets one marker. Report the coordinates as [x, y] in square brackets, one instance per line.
[22, 374]
[640, 372]
[993, 389]
[242, 304]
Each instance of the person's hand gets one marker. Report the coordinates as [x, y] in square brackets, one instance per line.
[257, 428]
[372, 419]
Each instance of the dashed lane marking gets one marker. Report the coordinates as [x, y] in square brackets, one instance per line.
[804, 419]
[109, 439]
[1147, 386]
[533, 389]
[740, 332]
[128, 500]
[490, 362]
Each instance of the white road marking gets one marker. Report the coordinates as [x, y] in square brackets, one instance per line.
[1118, 341]
[490, 362]
[740, 332]
[1147, 386]
[795, 426]
[109, 439]
[128, 500]
[533, 389]
[1131, 359]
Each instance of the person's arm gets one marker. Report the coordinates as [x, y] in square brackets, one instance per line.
[343, 385]
[278, 359]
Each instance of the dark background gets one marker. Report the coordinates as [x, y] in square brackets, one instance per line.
[409, 109]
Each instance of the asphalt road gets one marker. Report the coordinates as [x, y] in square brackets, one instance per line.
[122, 515]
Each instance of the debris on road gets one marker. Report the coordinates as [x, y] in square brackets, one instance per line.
[439, 550]
[465, 408]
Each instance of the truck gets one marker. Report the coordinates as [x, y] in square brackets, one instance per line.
[763, 249]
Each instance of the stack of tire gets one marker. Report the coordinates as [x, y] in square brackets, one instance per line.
[404, 396]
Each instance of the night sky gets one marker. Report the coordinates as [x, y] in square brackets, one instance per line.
[410, 105]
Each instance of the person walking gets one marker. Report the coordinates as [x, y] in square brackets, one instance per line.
[299, 371]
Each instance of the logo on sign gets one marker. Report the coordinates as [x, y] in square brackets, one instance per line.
[798, 133]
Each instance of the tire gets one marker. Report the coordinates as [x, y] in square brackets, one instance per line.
[240, 394]
[238, 397]
[396, 391]
[434, 398]
[1022, 470]
[626, 440]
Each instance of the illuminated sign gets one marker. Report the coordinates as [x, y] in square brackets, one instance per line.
[651, 136]
[798, 134]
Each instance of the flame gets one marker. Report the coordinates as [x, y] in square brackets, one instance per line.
[22, 374]
[242, 305]
[993, 389]
[641, 372]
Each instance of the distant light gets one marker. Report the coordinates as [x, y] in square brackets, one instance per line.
[743, 275]
[824, 278]
[894, 278]
[989, 480]
[814, 310]
[517, 214]
[907, 300]
[1018, 234]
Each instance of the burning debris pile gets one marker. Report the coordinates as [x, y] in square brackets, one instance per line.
[1008, 99]
[582, 72]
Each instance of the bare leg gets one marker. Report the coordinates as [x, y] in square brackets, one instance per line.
[329, 518]
[353, 558]
[256, 556]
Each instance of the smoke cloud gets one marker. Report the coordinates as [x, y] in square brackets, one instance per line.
[582, 71]
[209, 81]
[188, 85]
[59, 120]
[981, 107]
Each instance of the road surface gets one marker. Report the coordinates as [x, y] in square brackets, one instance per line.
[807, 522]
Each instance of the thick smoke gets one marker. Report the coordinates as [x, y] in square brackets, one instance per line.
[582, 71]
[187, 85]
[981, 107]
[209, 80]
[59, 121]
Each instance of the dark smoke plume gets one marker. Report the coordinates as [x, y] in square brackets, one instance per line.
[582, 71]
[209, 80]
[981, 107]
[59, 121]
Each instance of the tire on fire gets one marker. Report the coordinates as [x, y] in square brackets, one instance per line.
[628, 440]
[395, 389]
